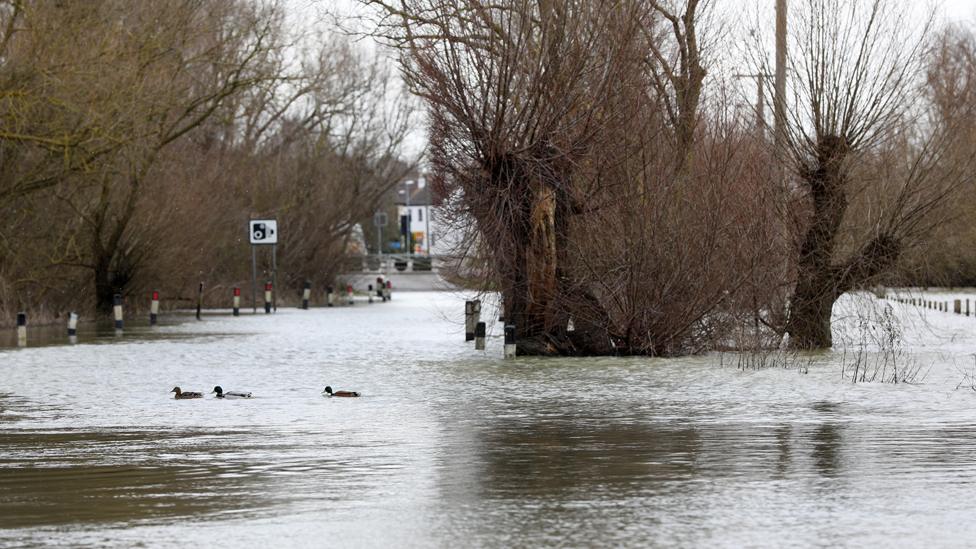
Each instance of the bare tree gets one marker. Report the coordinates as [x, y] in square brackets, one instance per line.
[857, 71]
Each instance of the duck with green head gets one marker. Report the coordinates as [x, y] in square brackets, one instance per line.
[230, 394]
[328, 391]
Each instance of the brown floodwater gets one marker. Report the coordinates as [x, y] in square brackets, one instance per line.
[453, 447]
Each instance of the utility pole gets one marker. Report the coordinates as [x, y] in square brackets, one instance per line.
[779, 97]
[760, 100]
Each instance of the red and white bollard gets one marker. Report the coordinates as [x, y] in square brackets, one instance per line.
[154, 308]
[267, 298]
[237, 301]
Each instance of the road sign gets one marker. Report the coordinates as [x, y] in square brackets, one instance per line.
[263, 231]
[380, 219]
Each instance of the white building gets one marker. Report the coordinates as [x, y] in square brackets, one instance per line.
[414, 203]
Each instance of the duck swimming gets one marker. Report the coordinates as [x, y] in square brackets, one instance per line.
[229, 394]
[188, 394]
[332, 393]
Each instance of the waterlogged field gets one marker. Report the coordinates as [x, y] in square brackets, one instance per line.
[452, 447]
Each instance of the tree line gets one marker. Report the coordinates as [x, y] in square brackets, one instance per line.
[138, 138]
[621, 201]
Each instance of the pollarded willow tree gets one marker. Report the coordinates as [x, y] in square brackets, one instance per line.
[601, 194]
[866, 165]
[519, 93]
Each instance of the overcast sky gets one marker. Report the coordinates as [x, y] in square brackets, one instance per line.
[315, 13]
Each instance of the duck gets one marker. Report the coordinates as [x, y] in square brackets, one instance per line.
[332, 393]
[187, 394]
[230, 394]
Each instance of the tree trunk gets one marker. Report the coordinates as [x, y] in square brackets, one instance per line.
[104, 290]
[818, 285]
[809, 324]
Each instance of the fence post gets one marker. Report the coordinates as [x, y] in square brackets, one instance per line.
[72, 323]
[199, 300]
[957, 306]
[306, 293]
[479, 336]
[510, 349]
[476, 312]
[468, 320]
[154, 308]
[21, 329]
[117, 309]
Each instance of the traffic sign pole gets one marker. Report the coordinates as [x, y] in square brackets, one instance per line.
[254, 278]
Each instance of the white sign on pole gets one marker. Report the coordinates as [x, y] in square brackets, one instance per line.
[263, 231]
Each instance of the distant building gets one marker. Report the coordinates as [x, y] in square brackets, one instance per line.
[414, 210]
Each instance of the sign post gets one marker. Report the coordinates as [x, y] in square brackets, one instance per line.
[262, 232]
[379, 221]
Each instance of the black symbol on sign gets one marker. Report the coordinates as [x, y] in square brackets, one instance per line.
[261, 231]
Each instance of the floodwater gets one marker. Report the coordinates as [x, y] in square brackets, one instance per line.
[454, 447]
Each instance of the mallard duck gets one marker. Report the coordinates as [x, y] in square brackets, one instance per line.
[328, 390]
[189, 394]
[229, 394]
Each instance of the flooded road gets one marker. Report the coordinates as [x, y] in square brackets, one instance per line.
[454, 447]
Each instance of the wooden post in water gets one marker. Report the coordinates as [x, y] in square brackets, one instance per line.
[306, 294]
[237, 302]
[479, 336]
[476, 312]
[72, 327]
[117, 309]
[199, 300]
[957, 306]
[468, 320]
[349, 296]
[267, 297]
[21, 329]
[510, 349]
[329, 297]
[154, 308]
[72, 324]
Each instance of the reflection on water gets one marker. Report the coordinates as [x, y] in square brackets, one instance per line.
[454, 448]
[566, 458]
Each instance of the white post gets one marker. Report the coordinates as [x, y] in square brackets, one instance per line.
[154, 308]
[73, 327]
[117, 309]
[306, 294]
[21, 329]
[510, 349]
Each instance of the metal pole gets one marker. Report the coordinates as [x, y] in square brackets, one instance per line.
[254, 279]
[274, 277]
[779, 98]
[427, 222]
[409, 222]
